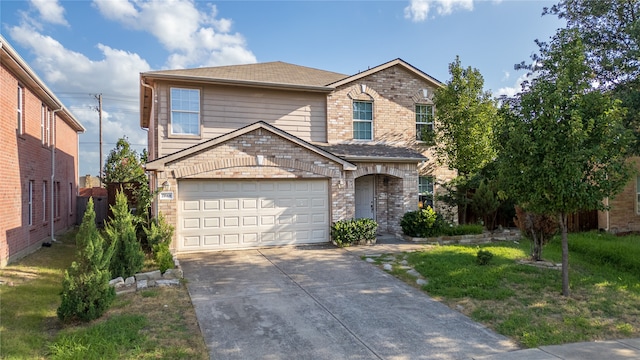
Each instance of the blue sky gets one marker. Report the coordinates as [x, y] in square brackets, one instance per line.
[80, 48]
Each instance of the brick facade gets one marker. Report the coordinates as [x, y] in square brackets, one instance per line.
[394, 89]
[24, 159]
[624, 214]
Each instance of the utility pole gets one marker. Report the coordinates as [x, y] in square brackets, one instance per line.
[99, 98]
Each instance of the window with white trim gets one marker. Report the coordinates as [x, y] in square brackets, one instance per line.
[56, 198]
[185, 111]
[425, 191]
[48, 128]
[43, 116]
[44, 201]
[20, 110]
[424, 122]
[30, 204]
[362, 120]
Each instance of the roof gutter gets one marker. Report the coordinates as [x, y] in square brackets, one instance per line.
[384, 159]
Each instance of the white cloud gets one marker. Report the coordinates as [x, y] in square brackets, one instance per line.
[418, 10]
[516, 88]
[194, 37]
[50, 11]
[74, 78]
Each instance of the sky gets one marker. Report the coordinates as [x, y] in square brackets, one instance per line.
[84, 48]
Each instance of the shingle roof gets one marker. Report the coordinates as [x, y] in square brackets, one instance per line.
[276, 72]
[362, 152]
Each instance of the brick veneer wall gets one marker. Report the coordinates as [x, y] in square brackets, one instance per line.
[24, 158]
[623, 214]
[394, 92]
[238, 159]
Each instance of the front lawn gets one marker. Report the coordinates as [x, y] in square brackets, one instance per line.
[158, 323]
[524, 302]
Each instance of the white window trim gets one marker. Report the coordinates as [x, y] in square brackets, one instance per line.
[30, 204]
[199, 112]
[362, 121]
[427, 193]
[20, 110]
[43, 114]
[44, 201]
[423, 122]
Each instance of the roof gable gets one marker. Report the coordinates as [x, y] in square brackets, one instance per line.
[160, 163]
[396, 62]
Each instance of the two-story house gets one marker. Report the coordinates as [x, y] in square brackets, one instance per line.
[273, 153]
[38, 158]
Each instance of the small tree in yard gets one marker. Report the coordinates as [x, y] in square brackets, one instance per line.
[465, 119]
[86, 293]
[537, 227]
[128, 256]
[563, 145]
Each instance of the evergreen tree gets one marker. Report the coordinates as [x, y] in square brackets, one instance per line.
[86, 293]
[120, 230]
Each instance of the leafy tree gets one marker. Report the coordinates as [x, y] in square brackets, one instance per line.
[86, 293]
[610, 32]
[465, 118]
[563, 145]
[485, 203]
[120, 230]
[125, 167]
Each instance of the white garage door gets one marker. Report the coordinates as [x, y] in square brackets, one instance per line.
[226, 214]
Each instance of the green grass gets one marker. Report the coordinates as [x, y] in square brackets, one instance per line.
[525, 302]
[157, 323]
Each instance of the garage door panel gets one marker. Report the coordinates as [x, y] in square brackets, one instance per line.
[226, 214]
[212, 223]
[190, 223]
[249, 221]
[193, 205]
[210, 205]
[210, 240]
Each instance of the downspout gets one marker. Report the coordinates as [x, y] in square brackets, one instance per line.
[53, 133]
[151, 145]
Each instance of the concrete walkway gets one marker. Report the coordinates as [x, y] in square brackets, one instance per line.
[321, 302]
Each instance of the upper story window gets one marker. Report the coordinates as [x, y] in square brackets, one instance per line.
[43, 115]
[185, 111]
[425, 191]
[424, 122]
[362, 120]
[20, 110]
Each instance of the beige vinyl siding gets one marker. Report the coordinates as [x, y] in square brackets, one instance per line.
[224, 109]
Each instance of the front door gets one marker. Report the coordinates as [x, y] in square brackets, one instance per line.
[364, 197]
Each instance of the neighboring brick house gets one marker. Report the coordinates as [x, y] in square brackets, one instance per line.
[38, 157]
[273, 153]
[624, 213]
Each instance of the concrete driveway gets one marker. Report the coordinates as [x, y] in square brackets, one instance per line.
[321, 302]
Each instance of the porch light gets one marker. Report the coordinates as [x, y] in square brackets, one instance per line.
[166, 186]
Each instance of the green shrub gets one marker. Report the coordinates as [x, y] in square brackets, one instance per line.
[120, 230]
[484, 257]
[347, 232]
[159, 234]
[162, 256]
[422, 223]
[86, 293]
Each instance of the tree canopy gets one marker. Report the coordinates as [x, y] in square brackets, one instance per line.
[563, 145]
